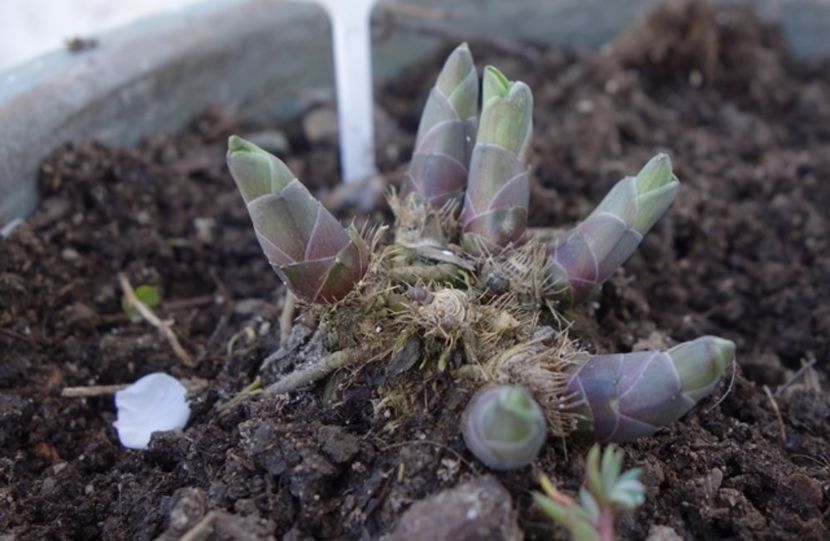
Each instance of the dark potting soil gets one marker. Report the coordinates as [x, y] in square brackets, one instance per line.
[744, 253]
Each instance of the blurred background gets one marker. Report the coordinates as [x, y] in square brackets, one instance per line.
[32, 27]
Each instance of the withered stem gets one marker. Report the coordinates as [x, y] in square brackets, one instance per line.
[411, 274]
[91, 390]
[313, 372]
[287, 316]
[164, 327]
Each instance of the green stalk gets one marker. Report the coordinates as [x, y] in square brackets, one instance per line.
[498, 191]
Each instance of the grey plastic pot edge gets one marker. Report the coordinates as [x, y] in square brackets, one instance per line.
[152, 76]
[157, 74]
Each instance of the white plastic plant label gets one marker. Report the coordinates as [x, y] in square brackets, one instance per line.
[353, 76]
[155, 403]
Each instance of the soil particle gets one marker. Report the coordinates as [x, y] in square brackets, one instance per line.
[187, 507]
[15, 413]
[743, 254]
[480, 509]
[662, 533]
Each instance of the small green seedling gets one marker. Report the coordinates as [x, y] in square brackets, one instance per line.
[606, 494]
[147, 294]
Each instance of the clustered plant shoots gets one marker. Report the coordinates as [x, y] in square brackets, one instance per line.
[463, 296]
[606, 493]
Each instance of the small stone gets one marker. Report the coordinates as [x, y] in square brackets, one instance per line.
[189, 507]
[585, 106]
[337, 444]
[695, 78]
[204, 229]
[320, 125]
[264, 328]
[70, 254]
[663, 533]
[476, 510]
[143, 217]
[712, 482]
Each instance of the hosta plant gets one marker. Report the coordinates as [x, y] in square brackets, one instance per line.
[461, 294]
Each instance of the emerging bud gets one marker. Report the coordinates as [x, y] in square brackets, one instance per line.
[498, 191]
[627, 396]
[307, 247]
[419, 295]
[504, 427]
[438, 171]
[497, 284]
[591, 252]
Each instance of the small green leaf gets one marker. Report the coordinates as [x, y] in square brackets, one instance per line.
[147, 294]
[589, 504]
[552, 509]
[610, 468]
[592, 471]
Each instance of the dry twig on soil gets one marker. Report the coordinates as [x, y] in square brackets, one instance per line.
[165, 327]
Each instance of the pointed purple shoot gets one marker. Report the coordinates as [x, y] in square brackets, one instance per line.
[438, 172]
[498, 191]
[591, 253]
[307, 247]
[623, 397]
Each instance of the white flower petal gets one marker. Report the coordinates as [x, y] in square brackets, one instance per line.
[155, 403]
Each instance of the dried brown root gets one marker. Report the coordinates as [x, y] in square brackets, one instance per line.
[543, 365]
[417, 223]
[92, 390]
[413, 274]
[250, 391]
[526, 269]
[313, 372]
[165, 327]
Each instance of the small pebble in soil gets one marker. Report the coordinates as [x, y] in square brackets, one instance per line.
[478, 509]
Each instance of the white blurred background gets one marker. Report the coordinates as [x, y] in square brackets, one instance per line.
[32, 27]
